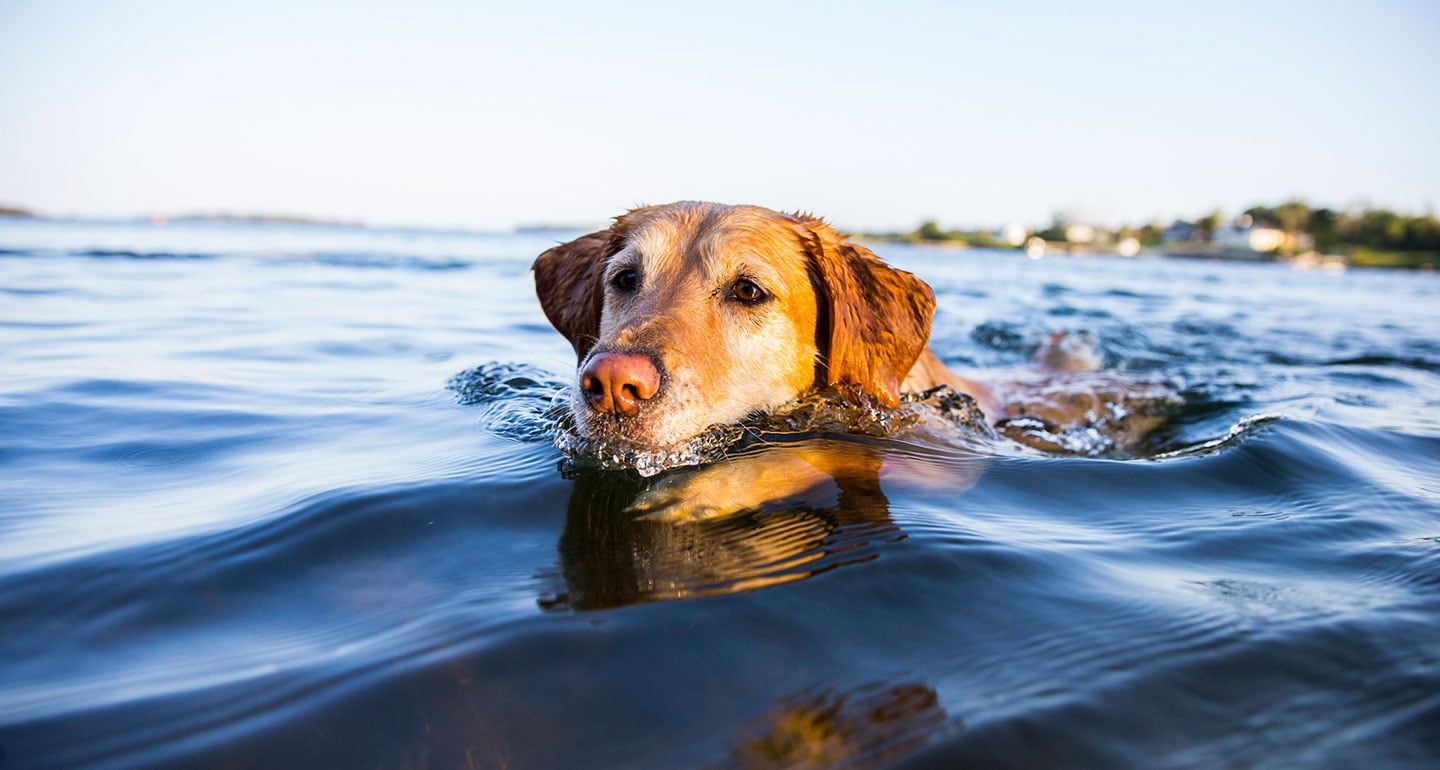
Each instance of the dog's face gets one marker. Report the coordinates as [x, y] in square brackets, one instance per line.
[695, 314]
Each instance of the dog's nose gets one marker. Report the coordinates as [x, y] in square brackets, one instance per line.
[616, 383]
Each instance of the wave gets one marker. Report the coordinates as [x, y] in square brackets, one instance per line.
[1240, 432]
[384, 260]
[142, 255]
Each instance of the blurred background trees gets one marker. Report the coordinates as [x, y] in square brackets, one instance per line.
[1363, 235]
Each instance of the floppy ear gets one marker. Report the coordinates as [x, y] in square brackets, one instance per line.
[567, 281]
[878, 316]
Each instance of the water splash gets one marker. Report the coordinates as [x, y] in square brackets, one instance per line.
[1093, 414]
[526, 405]
[614, 454]
[941, 412]
[1238, 433]
[1086, 440]
[518, 402]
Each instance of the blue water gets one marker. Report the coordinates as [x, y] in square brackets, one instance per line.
[284, 496]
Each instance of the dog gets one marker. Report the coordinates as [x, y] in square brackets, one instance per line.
[691, 314]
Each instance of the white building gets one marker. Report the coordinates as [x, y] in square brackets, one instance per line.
[1080, 234]
[1244, 235]
[1013, 234]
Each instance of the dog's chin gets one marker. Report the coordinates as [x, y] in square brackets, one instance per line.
[637, 444]
[642, 431]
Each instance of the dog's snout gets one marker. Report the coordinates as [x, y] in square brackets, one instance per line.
[616, 383]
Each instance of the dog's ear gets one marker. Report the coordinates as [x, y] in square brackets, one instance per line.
[568, 283]
[878, 316]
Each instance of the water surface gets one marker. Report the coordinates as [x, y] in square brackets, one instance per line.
[250, 516]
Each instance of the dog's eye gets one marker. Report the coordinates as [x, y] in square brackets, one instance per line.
[747, 291]
[626, 281]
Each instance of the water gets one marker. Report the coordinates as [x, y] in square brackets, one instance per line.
[258, 509]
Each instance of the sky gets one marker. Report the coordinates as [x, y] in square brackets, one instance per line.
[876, 116]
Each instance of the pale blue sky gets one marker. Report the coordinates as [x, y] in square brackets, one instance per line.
[875, 115]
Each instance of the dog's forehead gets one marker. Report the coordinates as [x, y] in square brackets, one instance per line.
[715, 239]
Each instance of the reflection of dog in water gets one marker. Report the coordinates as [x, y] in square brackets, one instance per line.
[690, 315]
[610, 558]
[866, 726]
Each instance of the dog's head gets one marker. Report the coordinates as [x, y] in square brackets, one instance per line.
[694, 314]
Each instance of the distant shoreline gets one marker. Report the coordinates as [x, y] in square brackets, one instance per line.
[286, 220]
[265, 219]
[16, 212]
[1036, 243]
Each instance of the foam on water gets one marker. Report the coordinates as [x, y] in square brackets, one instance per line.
[941, 413]
[519, 403]
[523, 404]
[1238, 433]
[526, 405]
[1102, 413]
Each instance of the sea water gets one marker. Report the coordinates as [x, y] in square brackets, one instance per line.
[289, 496]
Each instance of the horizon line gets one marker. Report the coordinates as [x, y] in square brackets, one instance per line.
[16, 211]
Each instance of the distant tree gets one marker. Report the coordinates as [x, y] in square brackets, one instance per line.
[1056, 231]
[1292, 215]
[929, 230]
[1380, 229]
[1151, 234]
[1260, 215]
[982, 238]
[1423, 233]
[1322, 226]
[1210, 222]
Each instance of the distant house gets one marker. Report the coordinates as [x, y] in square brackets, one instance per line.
[1080, 234]
[1245, 235]
[1180, 231]
[1013, 234]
